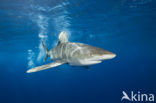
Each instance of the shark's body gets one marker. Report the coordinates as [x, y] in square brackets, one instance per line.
[75, 54]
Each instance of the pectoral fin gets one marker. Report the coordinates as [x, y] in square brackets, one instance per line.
[46, 66]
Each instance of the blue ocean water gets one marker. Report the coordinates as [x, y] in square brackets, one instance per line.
[125, 27]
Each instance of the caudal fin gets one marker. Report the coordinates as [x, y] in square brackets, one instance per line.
[46, 50]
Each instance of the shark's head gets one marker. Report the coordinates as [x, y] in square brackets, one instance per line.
[100, 54]
[88, 55]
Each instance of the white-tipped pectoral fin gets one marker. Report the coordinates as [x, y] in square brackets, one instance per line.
[46, 66]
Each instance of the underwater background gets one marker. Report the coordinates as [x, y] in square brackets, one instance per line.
[125, 27]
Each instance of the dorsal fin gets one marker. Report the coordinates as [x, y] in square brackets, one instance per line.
[63, 38]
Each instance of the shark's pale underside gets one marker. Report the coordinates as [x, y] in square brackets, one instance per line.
[75, 54]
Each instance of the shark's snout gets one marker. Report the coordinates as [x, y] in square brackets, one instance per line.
[102, 57]
[105, 56]
[101, 54]
[109, 56]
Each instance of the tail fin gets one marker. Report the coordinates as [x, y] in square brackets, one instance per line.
[46, 50]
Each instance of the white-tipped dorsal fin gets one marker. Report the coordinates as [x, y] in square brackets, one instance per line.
[63, 38]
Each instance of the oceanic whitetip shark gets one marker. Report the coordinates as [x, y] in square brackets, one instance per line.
[75, 54]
